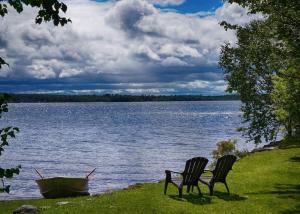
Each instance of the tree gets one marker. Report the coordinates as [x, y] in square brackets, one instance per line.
[265, 49]
[286, 98]
[5, 133]
[48, 10]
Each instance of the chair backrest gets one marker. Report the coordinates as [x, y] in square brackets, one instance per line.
[193, 169]
[223, 166]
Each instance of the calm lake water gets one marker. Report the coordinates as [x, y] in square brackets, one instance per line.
[126, 142]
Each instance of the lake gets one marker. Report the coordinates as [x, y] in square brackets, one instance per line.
[127, 142]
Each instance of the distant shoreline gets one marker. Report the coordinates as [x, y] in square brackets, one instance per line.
[51, 98]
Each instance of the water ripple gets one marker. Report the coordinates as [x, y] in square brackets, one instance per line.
[126, 142]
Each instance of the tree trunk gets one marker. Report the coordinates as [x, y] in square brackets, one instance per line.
[289, 128]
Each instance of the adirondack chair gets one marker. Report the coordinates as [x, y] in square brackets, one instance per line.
[219, 174]
[189, 177]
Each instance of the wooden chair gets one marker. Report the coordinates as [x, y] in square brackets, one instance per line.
[189, 177]
[219, 174]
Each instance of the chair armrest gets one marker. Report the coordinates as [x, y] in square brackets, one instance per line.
[169, 171]
[169, 175]
[208, 171]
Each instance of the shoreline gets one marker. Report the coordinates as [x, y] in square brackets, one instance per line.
[246, 194]
[268, 147]
[49, 98]
[109, 191]
[179, 101]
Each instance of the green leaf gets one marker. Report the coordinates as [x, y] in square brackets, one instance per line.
[57, 5]
[2, 171]
[16, 129]
[7, 188]
[64, 7]
[38, 20]
[2, 61]
[56, 21]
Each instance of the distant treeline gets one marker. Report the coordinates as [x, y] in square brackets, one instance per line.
[45, 98]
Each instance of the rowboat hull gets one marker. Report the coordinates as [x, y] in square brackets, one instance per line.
[61, 187]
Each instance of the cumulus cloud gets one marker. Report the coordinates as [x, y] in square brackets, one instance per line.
[235, 14]
[173, 61]
[127, 14]
[117, 42]
[166, 2]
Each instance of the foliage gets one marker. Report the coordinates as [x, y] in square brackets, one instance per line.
[263, 182]
[248, 69]
[286, 98]
[227, 147]
[224, 147]
[5, 133]
[48, 10]
[264, 49]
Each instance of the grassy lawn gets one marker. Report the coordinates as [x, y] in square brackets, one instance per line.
[264, 182]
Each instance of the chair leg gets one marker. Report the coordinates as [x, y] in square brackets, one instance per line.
[180, 192]
[227, 187]
[211, 189]
[166, 187]
[199, 190]
[188, 189]
[192, 188]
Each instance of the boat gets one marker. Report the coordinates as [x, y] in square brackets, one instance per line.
[61, 187]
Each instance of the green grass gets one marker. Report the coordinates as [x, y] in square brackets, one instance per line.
[264, 182]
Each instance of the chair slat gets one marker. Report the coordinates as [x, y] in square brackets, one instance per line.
[193, 169]
[223, 166]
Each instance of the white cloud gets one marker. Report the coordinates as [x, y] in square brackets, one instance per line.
[179, 50]
[69, 72]
[124, 41]
[40, 71]
[147, 52]
[126, 14]
[196, 84]
[166, 2]
[235, 14]
[173, 61]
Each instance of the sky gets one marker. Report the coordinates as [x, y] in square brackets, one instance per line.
[120, 47]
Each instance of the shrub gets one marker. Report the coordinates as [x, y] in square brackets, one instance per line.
[224, 147]
[227, 147]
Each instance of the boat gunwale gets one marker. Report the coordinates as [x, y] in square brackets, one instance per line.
[63, 178]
